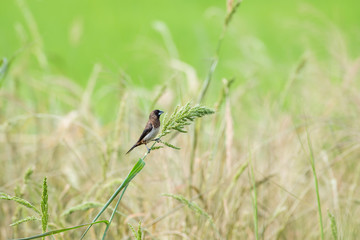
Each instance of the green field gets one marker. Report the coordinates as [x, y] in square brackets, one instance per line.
[277, 160]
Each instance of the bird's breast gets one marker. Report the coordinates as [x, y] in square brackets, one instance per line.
[151, 135]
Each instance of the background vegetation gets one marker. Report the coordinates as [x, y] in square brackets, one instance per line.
[278, 160]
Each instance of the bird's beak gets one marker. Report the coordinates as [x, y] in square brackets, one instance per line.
[160, 112]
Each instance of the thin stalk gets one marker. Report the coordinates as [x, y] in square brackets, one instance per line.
[136, 169]
[254, 200]
[53, 232]
[180, 118]
[113, 213]
[312, 162]
[205, 87]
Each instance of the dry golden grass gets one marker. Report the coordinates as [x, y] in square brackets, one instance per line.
[57, 134]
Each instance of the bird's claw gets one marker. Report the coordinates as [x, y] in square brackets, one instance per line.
[147, 148]
[157, 140]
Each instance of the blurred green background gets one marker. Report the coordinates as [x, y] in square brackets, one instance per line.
[122, 34]
[148, 44]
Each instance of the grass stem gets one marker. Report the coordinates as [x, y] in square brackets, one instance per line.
[254, 199]
[113, 213]
[312, 162]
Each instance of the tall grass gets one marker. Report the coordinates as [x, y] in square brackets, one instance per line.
[52, 127]
[254, 200]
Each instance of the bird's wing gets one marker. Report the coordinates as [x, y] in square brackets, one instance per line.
[146, 131]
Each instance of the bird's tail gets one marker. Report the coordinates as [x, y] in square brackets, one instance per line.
[136, 144]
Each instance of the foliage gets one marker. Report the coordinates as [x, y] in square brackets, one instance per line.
[181, 117]
[138, 235]
[333, 225]
[44, 206]
[20, 201]
[192, 206]
[53, 123]
[178, 120]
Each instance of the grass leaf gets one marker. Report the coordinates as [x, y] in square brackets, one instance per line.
[313, 168]
[49, 233]
[134, 171]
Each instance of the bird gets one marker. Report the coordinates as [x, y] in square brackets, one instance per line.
[152, 128]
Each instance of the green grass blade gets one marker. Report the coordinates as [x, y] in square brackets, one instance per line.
[237, 175]
[113, 213]
[61, 230]
[135, 170]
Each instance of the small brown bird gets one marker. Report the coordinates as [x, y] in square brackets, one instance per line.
[151, 130]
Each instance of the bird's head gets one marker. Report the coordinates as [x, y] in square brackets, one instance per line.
[156, 114]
